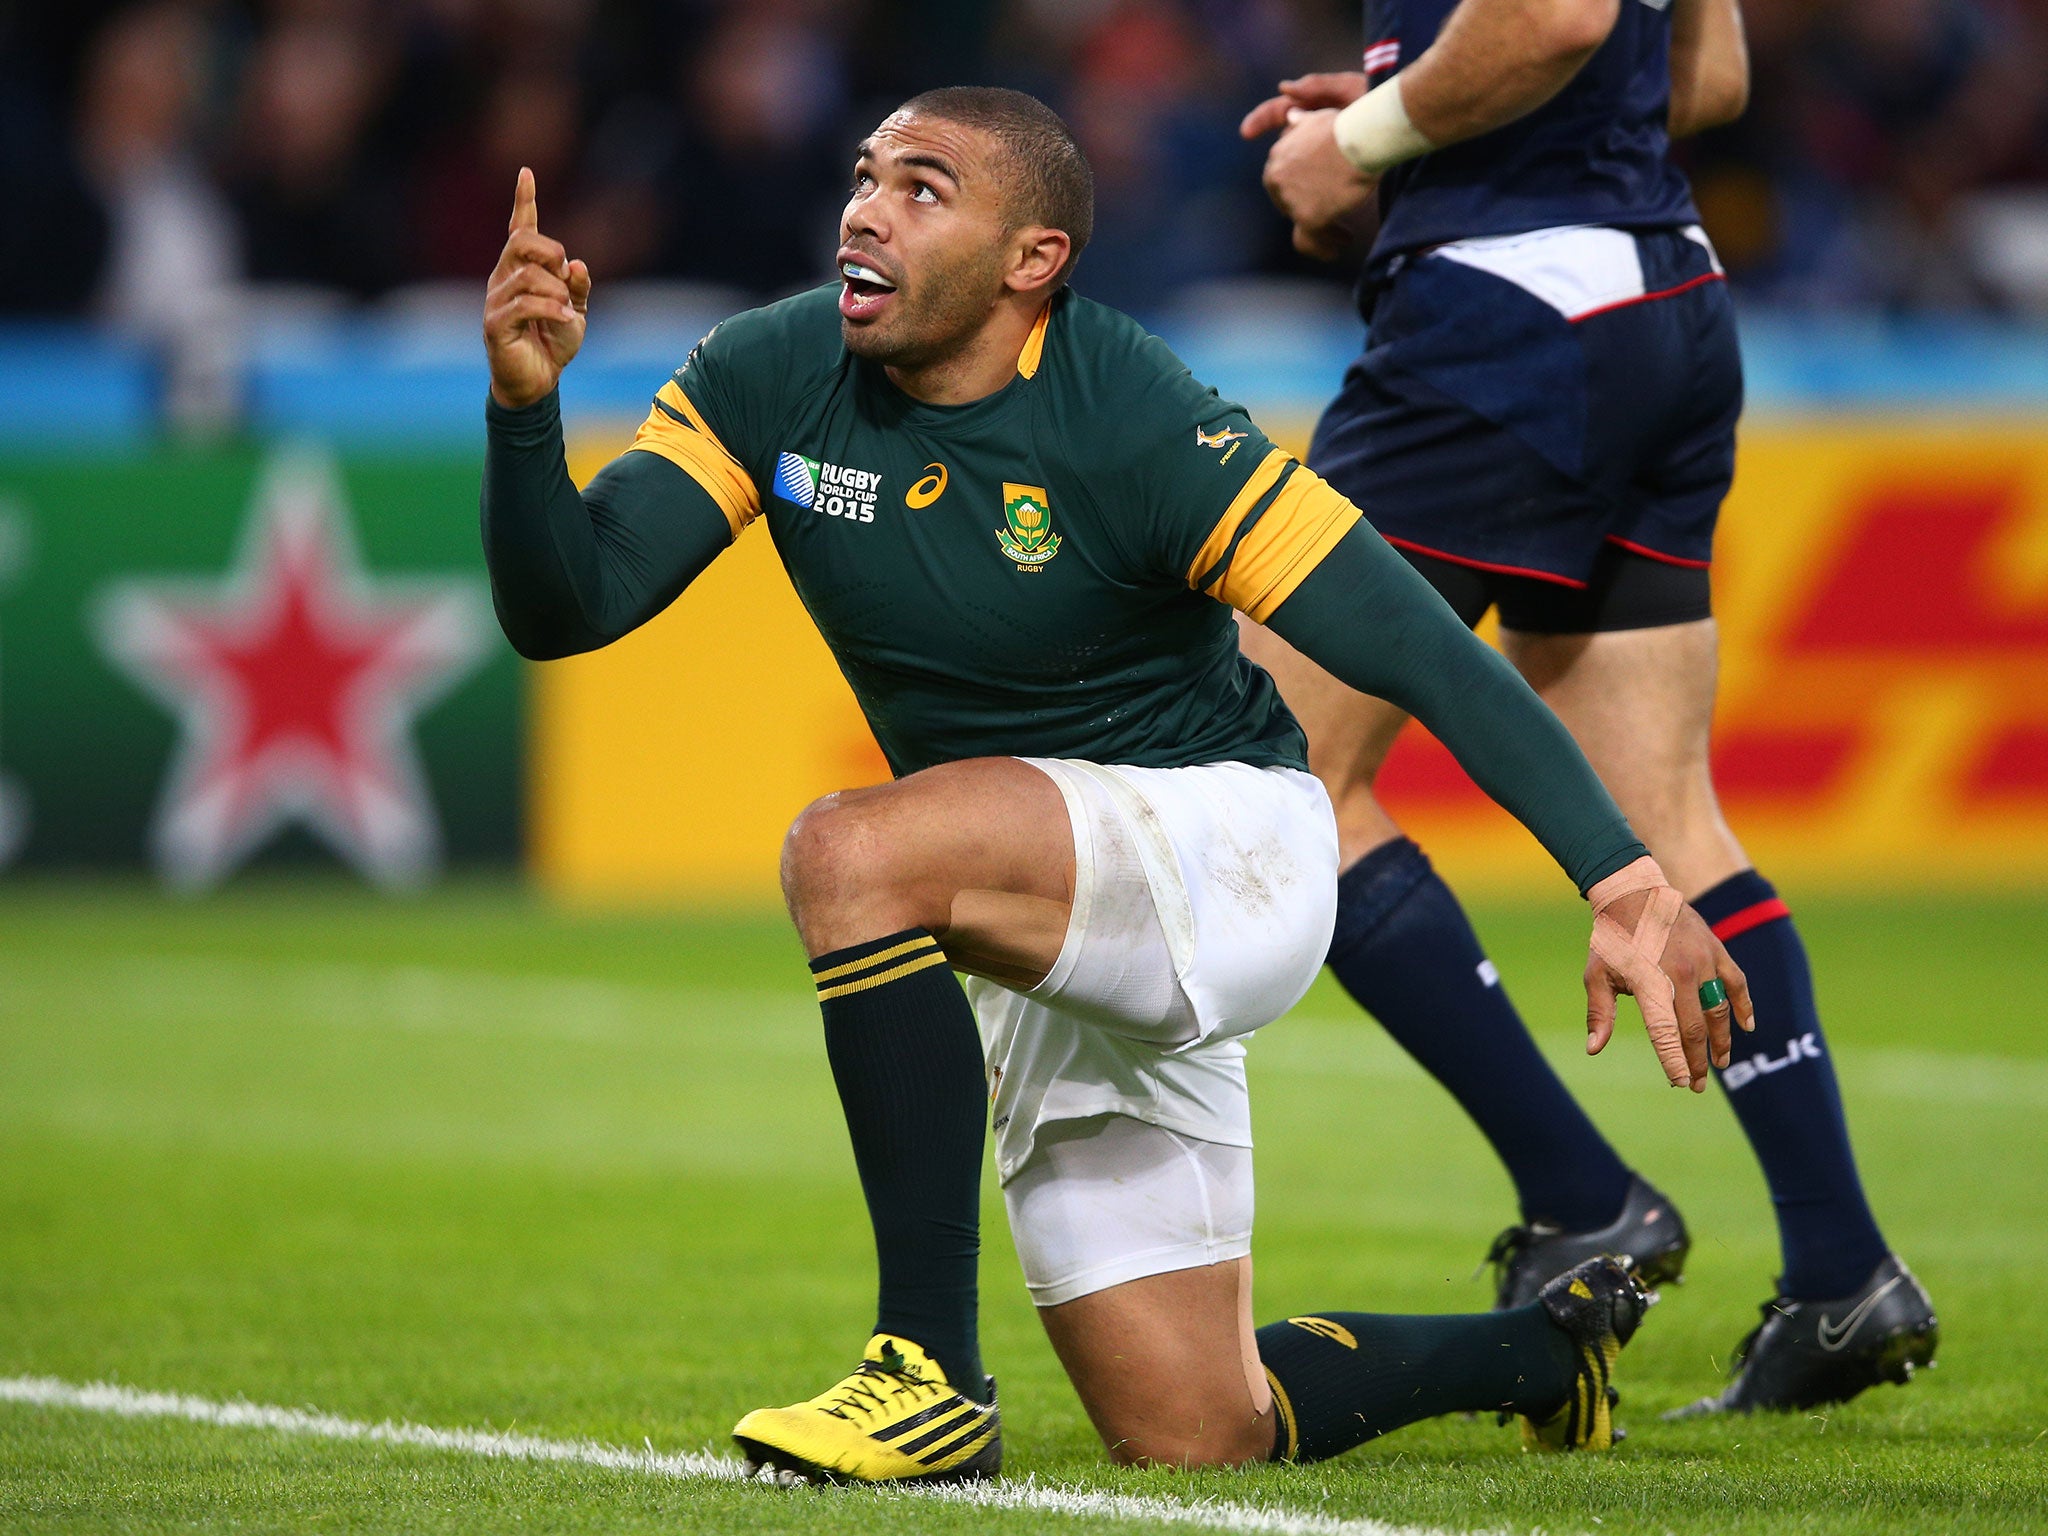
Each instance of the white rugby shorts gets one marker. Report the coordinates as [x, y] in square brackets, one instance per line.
[1204, 898]
[1112, 1199]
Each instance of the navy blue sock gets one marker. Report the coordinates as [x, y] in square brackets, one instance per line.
[1405, 950]
[1341, 1378]
[907, 1061]
[1782, 1088]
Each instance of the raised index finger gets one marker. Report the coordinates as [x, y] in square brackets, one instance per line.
[525, 213]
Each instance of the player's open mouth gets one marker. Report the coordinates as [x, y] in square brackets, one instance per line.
[865, 292]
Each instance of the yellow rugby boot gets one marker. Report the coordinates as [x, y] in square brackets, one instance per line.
[1598, 1304]
[895, 1419]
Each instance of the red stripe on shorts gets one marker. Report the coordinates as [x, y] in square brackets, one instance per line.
[1483, 565]
[1650, 298]
[1657, 554]
[1750, 917]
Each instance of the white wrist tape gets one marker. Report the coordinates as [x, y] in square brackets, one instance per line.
[1374, 132]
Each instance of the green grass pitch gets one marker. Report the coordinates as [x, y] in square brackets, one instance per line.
[468, 1163]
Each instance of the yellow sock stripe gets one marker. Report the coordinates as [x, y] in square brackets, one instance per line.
[1303, 524]
[898, 973]
[1213, 549]
[1286, 1408]
[868, 962]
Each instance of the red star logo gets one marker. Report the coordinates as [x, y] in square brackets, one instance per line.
[296, 680]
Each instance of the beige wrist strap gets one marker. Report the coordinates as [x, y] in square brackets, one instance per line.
[1634, 956]
[1643, 874]
[1374, 132]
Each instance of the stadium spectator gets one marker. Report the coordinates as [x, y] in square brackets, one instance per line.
[316, 206]
[54, 240]
[354, 140]
[761, 155]
[1145, 81]
[1872, 125]
[173, 263]
[530, 117]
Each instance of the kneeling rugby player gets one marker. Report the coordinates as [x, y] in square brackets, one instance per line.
[1022, 528]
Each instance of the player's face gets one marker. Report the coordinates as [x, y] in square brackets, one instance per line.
[924, 246]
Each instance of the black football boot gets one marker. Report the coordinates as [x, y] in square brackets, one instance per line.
[1806, 1353]
[1649, 1230]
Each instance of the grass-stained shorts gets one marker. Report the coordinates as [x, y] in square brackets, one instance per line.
[1203, 904]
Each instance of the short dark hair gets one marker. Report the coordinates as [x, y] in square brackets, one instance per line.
[1053, 185]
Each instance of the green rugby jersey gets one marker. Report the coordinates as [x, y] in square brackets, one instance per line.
[1048, 571]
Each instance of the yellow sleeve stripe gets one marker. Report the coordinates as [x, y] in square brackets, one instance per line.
[1304, 523]
[1217, 545]
[675, 430]
[1034, 344]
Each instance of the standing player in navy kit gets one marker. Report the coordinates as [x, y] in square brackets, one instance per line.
[1543, 420]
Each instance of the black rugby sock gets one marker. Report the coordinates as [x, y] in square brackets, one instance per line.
[1342, 1378]
[1405, 950]
[907, 1059]
[1781, 1085]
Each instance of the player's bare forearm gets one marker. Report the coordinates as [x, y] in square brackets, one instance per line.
[1498, 60]
[572, 571]
[1709, 65]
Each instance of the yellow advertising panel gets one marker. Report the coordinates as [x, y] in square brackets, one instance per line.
[1883, 594]
[670, 764]
[1882, 590]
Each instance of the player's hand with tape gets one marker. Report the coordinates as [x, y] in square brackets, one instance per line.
[1307, 175]
[535, 308]
[1648, 942]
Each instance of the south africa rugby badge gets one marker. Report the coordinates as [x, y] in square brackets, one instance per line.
[1029, 539]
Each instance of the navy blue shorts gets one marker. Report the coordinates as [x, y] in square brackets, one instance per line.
[1524, 404]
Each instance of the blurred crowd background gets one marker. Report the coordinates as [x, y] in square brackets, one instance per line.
[160, 161]
[242, 251]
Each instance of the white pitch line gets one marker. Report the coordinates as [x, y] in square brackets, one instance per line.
[1022, 1494]
[129, 1403]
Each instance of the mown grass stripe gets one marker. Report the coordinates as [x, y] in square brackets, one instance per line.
[1016, 1494]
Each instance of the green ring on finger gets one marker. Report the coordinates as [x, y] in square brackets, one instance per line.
[1712, 993]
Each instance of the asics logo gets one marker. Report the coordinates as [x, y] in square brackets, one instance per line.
[927, 490]
[1323, 1328]
[1834, 1335]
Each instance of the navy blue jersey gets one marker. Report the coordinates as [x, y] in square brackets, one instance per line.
[1593, 154]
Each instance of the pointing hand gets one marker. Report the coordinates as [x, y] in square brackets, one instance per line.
[535, 309]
